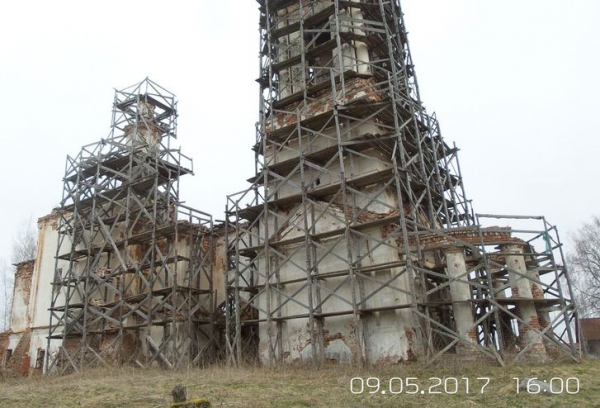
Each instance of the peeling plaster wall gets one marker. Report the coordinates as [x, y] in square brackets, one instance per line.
[391, 334]
[43, 274]
[31, 300]
[20, 334]
[354, 166]
[20, 318]
[19, 363]
[388, 335]
[33, 294]
[43, 277]
[354, 55]
[313, 142]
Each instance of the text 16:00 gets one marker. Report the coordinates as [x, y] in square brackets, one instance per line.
[555, 385]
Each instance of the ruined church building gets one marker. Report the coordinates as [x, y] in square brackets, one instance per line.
[353, 244]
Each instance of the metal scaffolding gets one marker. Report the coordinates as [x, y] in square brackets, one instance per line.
[133, 281]
[355, 241]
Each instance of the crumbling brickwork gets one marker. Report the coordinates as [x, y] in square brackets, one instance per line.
[19, 362]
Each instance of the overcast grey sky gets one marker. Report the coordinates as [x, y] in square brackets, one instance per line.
[514, 82]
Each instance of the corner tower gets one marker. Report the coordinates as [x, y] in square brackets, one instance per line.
[133, 277]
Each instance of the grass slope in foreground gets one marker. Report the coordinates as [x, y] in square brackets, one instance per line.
[303, 387]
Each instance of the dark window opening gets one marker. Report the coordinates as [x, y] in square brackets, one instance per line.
[317, 38]
[39, 362]
[7, 356]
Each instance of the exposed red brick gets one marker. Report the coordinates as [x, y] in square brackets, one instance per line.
[534, 323]
[327, 338]
[23, 280]
[590, 328]
[4, 337]
[323, 102]
[473, 335]
[536, 291]
[410, 355]
[18, 365]
[469, 235]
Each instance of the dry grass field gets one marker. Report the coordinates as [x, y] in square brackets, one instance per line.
[305, 387]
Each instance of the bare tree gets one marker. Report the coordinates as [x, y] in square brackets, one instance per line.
[25, 243]
[6, 290]
[24, 249]
[585, 267]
